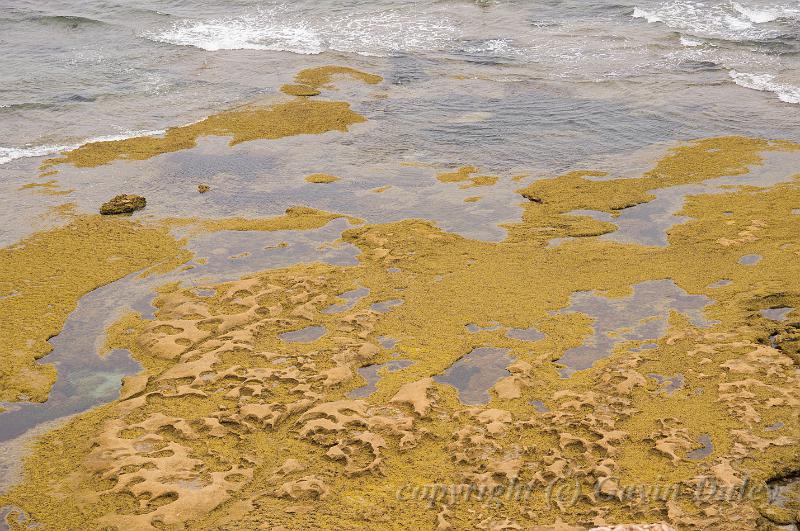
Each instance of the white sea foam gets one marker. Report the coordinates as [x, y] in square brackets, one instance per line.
[494, 47]
[725, 20]
[757, 16]
[691, 43]
[378, 34]
[647, 15]
[7, 154]
[767, 83]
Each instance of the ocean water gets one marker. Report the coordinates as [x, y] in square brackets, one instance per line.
[633, 72]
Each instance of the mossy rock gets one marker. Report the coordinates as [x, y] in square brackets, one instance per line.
[123, 204]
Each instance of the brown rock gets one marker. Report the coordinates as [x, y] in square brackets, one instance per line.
[203, 188]
[123, 204]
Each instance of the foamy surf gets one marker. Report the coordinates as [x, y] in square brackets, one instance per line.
[766, 83]
[372, 34]
[764, 15]
[8, 154]
[727, 20]
[691, 43]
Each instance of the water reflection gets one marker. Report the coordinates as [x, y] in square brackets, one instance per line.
[476, 373]
[640, 316]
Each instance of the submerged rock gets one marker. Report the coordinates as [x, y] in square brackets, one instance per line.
[123, 204]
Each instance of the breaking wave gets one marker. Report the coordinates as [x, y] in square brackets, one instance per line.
[767, 83]
[372, 34]
[7, 154]
[727, 20]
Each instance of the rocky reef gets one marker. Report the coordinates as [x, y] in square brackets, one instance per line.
[242, 418]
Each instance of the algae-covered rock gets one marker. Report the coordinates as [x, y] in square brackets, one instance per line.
[321, 178]
[299, 90]
[123, 204]
[778, 515]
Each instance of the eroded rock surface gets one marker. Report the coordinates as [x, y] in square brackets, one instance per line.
[230, 427]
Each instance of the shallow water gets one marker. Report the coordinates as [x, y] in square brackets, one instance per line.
[777, 314]
[524, 334]
[640, 316]
[750, 259]
[370, 374]
[73, 60]
[669, 384]
[86, 379]
[308, 334]
[706, 450]
[649, 223]
[385, 306]
[539, 406]
[476, 373]
[351, 297]
[512, 87]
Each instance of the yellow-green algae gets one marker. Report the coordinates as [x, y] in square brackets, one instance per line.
[295, 218]
[311, 81]
[698, 161]
[244, 124]
[300, 90]
[43, 276]
[464, 175]
[322, 76]
[45, 188]
[608, 423]
[296, 117]
[321, 178]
